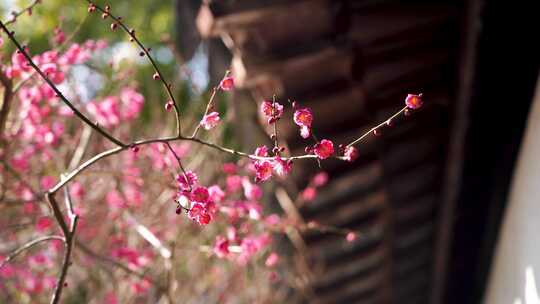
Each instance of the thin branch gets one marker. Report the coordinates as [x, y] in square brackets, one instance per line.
[274, 116]
[81, 148]
[29, 245]
[377, 127]
[179, 162]
[58, 214]
[69, 235]
[6, 102]
[117, 150]
[131, 33]
[28, 9]
[208, 107]
[100, 156]
[57, 91]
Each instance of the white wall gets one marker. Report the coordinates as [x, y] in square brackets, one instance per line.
[515, 273]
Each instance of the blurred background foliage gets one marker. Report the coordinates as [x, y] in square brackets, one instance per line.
[154, 24]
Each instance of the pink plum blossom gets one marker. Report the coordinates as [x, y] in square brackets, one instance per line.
[210, 120]
[324, 149]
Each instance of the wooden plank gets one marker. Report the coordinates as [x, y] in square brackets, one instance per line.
[372, 25]
[263, 30]
[298, 73]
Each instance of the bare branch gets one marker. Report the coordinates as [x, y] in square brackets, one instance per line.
[69, 235]
[146, 51]
[29, 245]
[28, 9]
[382, 124]
[6, 102]
[208, 107]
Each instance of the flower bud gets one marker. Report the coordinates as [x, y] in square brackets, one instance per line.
[414, 101]
[169, 105]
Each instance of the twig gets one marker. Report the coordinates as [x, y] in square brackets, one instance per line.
[69, 235]
[28, 9]
[179, 163]
[274, 116]
[81, 148]
[208, 107]
[6, 103]
[29, 245]
[146, 51]
[377, 127]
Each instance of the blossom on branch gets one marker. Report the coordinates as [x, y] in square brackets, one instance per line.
[210, 120]
[324, 149]
[271, 110]
[414, 101]
[221, 247]
[227, 84]
[187, 180]
[303, 118]
[350, 154]
[263, 170]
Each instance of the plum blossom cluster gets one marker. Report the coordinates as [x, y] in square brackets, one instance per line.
[113, 110]
[237, 202]
[265, 166]
[40, 106]
[198, 200]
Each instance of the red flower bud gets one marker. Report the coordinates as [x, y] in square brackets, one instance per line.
[414, 101]
[227, 84]
[169, 105]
